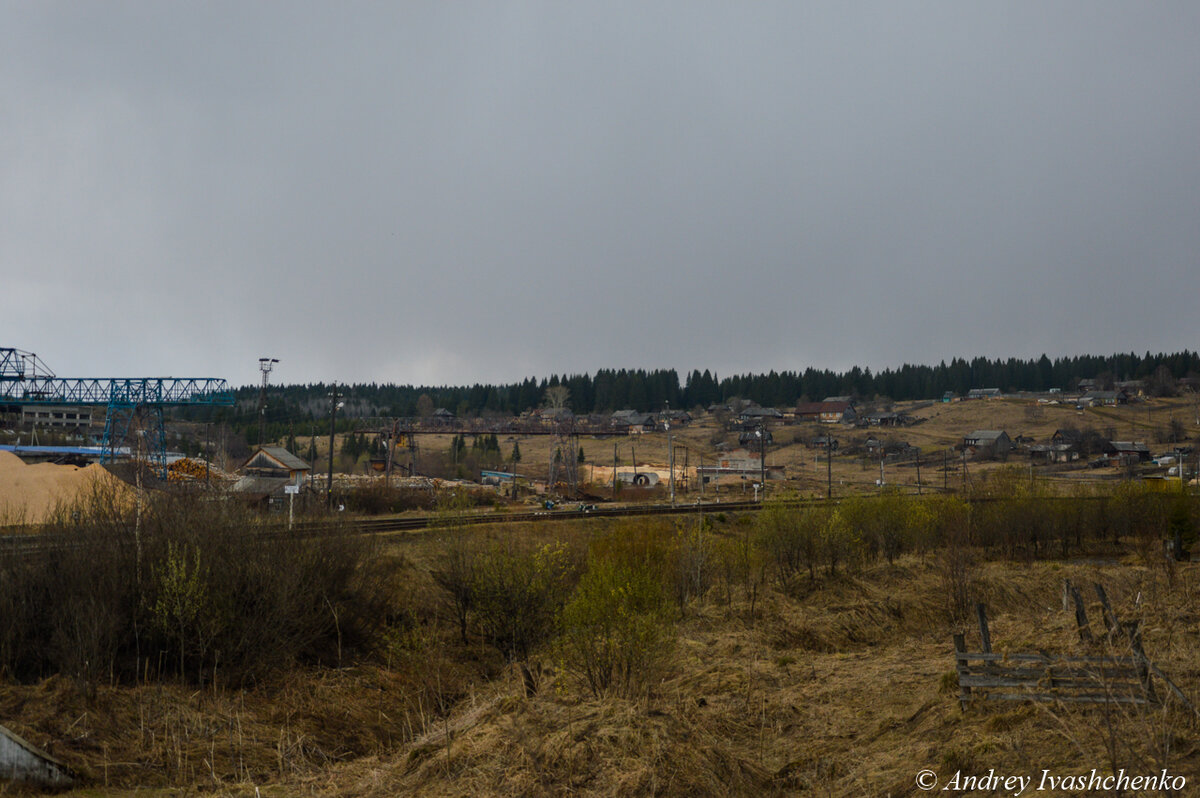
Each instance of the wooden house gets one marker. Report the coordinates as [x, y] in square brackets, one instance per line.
[988, 443]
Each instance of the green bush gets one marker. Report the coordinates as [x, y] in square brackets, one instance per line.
[616, 635]
[517, 596]
[791, 537]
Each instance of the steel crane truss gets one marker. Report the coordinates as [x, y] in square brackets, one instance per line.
[147, 423]
[173, 391]
[125, 399]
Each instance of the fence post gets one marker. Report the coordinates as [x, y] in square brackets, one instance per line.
[1111, 622]
[984, 634]
[1081, 619]
[1134, 630]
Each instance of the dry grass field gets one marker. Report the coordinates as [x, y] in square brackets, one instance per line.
[839, 686]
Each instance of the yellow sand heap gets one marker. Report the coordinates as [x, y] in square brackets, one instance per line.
[29, 493]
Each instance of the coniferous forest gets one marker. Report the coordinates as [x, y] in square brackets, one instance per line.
[652, 390]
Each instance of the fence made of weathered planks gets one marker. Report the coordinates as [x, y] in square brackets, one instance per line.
[1042, 676]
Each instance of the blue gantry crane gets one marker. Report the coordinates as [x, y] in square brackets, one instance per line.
[26, 380]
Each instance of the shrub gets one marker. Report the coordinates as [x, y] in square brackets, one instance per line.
[616, 635]
[791, 538]
[517, 598]
[841, 542]
[185, 584]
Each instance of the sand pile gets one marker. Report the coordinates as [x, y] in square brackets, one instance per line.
[29, 493]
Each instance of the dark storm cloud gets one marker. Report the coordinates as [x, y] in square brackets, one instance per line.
[453, 192]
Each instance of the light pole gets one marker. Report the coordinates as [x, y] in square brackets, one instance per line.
[265, 364]
[333, 408]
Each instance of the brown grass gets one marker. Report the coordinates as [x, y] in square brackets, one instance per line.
[844, 687]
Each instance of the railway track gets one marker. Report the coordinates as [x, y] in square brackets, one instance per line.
[27, 543]
[406, 523]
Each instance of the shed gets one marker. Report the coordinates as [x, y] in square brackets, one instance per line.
[276, 462]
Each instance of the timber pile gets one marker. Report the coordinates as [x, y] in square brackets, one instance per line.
[185, 470]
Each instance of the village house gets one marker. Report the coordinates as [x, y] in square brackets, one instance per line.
[886, 419]
[823, 442]
[984, 393]
[826, 412]
[1104, 398]
[632, 422]
[1053, 452]
[891, 449]
[752, 439]
[676, 418]
[270, 474]
[760, 415]
[555, 416]
[988, 443]
[1066, 436]
[1132, 388]
[1126, 453]
[277, 462]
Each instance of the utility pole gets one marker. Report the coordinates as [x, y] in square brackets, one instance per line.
[333, 408]
[828, 466]
[687, 480]
[918, 472]
[614, 477]
[391, 445]
[265, 364]
[762, 459]
[671, 460]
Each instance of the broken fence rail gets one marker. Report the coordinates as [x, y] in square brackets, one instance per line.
[1055, 677]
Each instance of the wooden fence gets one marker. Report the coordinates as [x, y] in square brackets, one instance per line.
[1042, 676]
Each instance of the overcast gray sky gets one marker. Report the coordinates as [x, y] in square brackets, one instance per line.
[453, 192]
